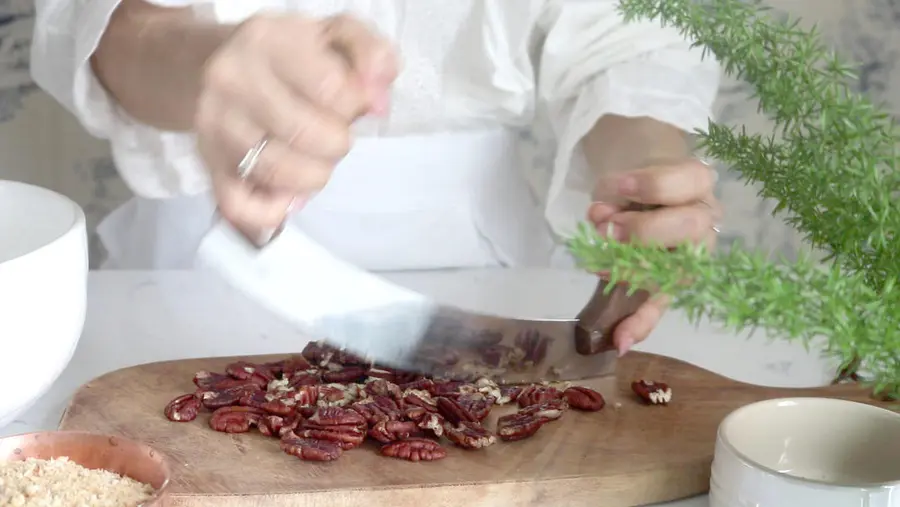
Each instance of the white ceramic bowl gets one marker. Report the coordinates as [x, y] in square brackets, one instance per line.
[814, 452]
[43, 291]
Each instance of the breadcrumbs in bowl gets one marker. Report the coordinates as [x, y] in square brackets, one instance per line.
[75, 469]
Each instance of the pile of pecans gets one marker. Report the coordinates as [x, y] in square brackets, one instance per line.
[326, 401]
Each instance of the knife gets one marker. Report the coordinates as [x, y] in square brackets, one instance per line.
[347, 307]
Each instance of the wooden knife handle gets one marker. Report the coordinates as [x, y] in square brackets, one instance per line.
[603, 312]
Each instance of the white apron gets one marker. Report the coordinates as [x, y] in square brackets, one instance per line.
[437, 201]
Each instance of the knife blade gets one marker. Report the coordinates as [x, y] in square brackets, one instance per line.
[347, 307]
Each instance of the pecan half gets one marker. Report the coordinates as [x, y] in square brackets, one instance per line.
[348, 436]
[271, 425]
[653, 393]
[419, 398]
[549, 411]
[305, 378]
[414, 449]
[333, 416]
[309, 449]
[346, 374]
[214, 399]
[518, 426]
[206, 380]
[477, 405]
[433, 423]
[454, 411]
[337, 395]
[389, 431]
[469, 435]
[235, 419]
[583, 398]
[270, 403]
[183, 408]
[537, 395]
[381, 387]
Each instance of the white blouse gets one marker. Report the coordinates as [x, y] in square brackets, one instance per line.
[556, 65]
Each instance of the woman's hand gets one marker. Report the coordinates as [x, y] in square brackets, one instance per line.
[297, 84]
[690, 213]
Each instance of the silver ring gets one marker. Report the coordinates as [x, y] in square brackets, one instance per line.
[251, 159]
[716, 228]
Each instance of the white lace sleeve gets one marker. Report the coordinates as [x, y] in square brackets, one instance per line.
[593, 64]
[153, 163]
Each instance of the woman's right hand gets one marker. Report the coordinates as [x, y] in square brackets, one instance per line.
[299, 83]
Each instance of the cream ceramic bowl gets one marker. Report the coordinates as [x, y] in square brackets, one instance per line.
[43, 282]
[812, 452]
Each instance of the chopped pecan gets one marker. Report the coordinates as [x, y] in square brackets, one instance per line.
[231, 396]
[583, 398]
[289, 424]
[273, 404]
[469, 435]
[518, 426]
[337, 395]
[413, 413]
[306, 396]
[419, 398]
[454, 412]
[549, 411]
[270, 425]
[317, 353]
[414, 449]
[425, 384]
[305, 378]
[381, 387]
[510, 392]
[370, 411]
[433, 423]
[287, 367]
[537, 395]
[205, 379]
[309, 449]
[345, 374]
[235, 419]
[653, 393]
[389, 431]
[450, 389]
[183, 408]
[333, 416]
[242, 370]
[476, 404]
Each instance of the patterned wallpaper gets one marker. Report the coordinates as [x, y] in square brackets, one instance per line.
[41, 144]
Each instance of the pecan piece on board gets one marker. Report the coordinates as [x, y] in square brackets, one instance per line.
[653, 393]
[433, 423]
[347, 436]
[308, 377]
[389, 431]
[414, 449]
[309, 449]
[454, 411]
[518, 426]
[345, 374]
[419, 398]
[318, 353]
[183, 408]
[206, 379]
[334, 416]
[235, 419]
[271, 425]
[469, 435]
[287, 367]
[215, 399]
[306, 396]
[477, 405]
[537, 395]
[272, 404]
[337, 395]
[584, 398]
[549, 411]
[370, 411]
[381, 387]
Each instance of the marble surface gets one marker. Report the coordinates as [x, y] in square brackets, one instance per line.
[141, 317]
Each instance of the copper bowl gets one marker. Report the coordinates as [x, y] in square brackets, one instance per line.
[116, 454]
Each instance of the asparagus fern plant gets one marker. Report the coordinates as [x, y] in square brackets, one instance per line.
[830, 163]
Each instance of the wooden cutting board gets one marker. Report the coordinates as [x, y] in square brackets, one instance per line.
[627, 454]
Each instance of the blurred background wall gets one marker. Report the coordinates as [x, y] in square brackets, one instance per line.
[42, 144]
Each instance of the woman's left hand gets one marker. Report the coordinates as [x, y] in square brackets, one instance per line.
[690, 213]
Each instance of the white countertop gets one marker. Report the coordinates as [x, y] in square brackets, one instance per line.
[142, 317]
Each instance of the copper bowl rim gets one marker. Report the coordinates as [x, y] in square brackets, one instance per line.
[163, 462]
